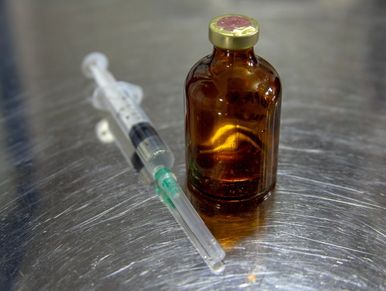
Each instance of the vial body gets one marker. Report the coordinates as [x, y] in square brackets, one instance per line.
[233, 101]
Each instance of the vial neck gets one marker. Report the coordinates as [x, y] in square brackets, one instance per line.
[230, 57]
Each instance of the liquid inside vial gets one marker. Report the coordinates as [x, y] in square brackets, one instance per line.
[232, 126]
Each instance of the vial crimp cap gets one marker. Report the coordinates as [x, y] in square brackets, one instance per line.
[233, 31]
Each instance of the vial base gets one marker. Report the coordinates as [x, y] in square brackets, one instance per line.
[212, 206]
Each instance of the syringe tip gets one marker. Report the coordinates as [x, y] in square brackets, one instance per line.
[217, 268]
[94, 58]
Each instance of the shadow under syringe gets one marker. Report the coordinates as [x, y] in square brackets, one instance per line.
[175, 200]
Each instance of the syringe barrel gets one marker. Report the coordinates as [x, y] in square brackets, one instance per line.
[150, 147]
[134, 122]
[130, 117]
[124, 144]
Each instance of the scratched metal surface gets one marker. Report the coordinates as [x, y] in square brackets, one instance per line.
[72, 216]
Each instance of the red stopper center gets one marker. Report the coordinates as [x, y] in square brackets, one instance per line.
[230, 23]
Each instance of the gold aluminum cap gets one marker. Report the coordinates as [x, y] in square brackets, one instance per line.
[233, 31]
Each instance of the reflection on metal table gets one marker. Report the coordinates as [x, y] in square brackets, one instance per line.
[72, 215]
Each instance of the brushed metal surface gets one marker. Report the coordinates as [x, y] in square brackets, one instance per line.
[72, 216]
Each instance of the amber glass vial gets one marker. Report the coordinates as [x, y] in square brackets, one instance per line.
[233, 100]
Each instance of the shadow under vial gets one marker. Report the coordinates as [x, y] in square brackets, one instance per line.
[232, 222]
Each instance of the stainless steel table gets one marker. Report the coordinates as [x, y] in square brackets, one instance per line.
[72, 216]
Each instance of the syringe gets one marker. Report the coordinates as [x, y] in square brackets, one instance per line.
[153, 153]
